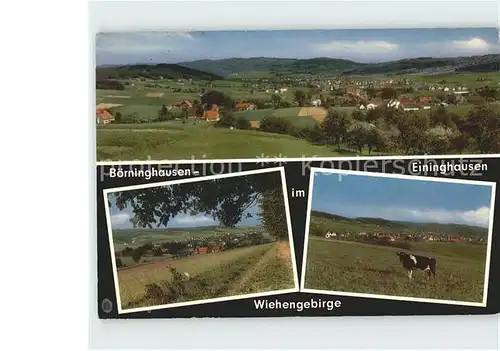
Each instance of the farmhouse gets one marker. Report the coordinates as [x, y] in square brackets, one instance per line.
[369, 106]
[183, 104]
[191, 112]
[212, 114]
[103, 116]
[393, 103]
[316, 103]
[244, 107]
[200, 250]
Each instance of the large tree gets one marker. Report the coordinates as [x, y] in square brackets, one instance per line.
[388, 93]
[335, 126]
[218, 98]
[413, 137]
[300, 97]
[483, 125]
[225, 199]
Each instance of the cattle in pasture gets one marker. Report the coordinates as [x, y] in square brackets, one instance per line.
[411, 262]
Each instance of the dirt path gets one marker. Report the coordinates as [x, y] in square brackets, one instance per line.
[284, 252]
[235, 288]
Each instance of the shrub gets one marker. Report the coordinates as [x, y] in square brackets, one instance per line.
[275, 125]
[137, 254]
[157, 251]
[127, 252]
[147, 246]
[242, 123]
[227, 120]
[119, 263]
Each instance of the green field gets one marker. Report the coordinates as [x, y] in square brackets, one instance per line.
[345, 266]
[289, 114]
[174, 140]
[235, 272]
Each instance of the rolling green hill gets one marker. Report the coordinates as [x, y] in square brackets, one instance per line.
[378, 224]
[324, 65]
[165, 70]
[246, 66]
[430, 65]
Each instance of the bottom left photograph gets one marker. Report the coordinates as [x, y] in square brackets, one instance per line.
[201, 240]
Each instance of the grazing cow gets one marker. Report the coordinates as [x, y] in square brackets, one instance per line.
[411, 262]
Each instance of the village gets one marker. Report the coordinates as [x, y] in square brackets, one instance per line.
[364, 94]
[410, 236]
[190, 245]
[327, 115]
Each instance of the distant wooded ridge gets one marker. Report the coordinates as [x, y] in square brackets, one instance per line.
[380, 224]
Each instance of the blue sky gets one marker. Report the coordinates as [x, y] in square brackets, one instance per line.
[120, 219]
[363, 45]
[401, 199]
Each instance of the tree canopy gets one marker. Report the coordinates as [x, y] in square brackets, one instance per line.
[225, 199]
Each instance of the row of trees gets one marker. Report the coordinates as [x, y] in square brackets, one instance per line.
[389, 130]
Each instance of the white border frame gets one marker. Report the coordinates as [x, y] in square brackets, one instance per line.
[261, 160]
[192, 180]
[390, 297]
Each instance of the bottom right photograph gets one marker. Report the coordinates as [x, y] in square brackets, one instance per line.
[398, 237]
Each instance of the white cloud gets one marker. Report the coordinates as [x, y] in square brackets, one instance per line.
[192, 221]
[359, 46]
[141, 42]
[481, 216]
[472, 44]
[120, 219]
[181, 35]
[478, 217]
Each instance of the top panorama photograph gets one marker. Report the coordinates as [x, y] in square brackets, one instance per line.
[297, 93]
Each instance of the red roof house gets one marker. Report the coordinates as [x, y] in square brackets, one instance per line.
[244, 106]
[183, 104]
[202, 250]
[103, 116]
[212, 114]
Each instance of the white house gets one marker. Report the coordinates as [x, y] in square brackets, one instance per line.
[393, 103]
[316, 102]
[330, 234]
[367, 107]
[282, 90]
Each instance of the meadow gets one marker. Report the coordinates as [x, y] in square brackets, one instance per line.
[248, 270]
[175, 140]
[346, 266]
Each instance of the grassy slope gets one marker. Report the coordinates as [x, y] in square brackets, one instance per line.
[173, 140]
[371, 269]
[221, 274]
